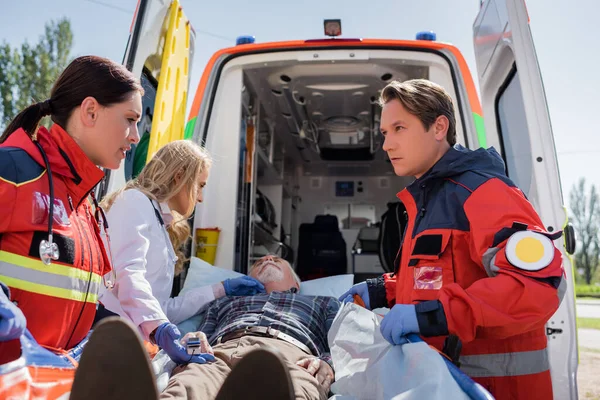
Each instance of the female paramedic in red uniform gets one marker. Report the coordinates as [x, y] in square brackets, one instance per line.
[52, 258]
[475, 262]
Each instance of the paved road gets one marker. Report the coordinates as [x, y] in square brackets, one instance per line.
[588, 308]
[588, 338]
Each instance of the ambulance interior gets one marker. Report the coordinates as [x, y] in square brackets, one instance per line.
[321, 180]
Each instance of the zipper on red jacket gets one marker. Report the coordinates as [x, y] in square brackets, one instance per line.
[397, 269]
[81, 240]
[78, 228]
[85, 196]
[96, 245]
[411, 206]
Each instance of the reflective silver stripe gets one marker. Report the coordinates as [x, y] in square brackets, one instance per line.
[48, 279]
[489, 261]
[505, 364]
[562, 289]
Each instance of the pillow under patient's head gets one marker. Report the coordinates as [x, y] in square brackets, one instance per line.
[202, 273]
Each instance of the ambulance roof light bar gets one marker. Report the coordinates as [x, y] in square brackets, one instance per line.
[246, 39]
[332, 27]
[426, 35]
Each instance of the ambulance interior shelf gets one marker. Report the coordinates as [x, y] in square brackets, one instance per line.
[268, 173]
[265, 243]
[267, 224]
[272, 205]
[261, 234]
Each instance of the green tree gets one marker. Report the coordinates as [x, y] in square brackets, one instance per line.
[28, 73]
[585, 212]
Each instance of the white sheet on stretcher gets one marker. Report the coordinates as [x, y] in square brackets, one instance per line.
[163, 368]
[369, 367]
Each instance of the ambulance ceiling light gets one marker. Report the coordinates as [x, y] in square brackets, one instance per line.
[337, 86]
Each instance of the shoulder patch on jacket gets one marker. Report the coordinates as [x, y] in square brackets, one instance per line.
[17, 167]
[530, 251]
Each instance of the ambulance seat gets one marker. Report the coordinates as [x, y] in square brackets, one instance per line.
[321, 249]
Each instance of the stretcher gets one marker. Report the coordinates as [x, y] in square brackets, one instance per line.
[39, 373]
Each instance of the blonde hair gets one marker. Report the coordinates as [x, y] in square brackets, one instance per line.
[181, 159]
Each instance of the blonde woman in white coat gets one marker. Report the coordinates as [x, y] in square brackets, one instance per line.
[147, 229]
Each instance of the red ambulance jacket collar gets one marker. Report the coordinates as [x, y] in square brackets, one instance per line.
[65, 157]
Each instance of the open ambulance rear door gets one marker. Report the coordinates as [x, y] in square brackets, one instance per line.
[517, 124]
[159, 52]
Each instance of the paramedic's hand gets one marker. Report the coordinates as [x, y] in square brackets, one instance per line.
[319, 369]
[12, 320]
[243, 286]
[168, 337]
[401, 319]
[360, 289]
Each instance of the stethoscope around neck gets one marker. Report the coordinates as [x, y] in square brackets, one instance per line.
[48, 249]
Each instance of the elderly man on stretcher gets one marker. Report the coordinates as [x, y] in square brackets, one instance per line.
[293, 325]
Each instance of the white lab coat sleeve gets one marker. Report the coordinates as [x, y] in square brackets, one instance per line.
[129, 221]
[186, 305]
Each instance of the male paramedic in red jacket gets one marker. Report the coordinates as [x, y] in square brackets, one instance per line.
[475, 261]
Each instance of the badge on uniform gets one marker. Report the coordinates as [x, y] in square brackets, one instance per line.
[41, 210]
[530, 251]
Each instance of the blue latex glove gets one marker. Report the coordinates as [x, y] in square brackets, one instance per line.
[243, 286]
[401, 320]
[12, 320]
[360, 289]
[167, 337]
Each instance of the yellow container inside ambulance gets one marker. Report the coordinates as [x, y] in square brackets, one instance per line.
[293, 129]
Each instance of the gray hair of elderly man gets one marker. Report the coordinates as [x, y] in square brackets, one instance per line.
[278, 259]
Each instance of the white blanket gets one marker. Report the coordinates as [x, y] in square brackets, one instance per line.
[163, 368]
[369, 367]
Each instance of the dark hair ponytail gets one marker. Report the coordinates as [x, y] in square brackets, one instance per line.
[28, 119]
[88, 76]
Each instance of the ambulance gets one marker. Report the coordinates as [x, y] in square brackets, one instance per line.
[292, 127]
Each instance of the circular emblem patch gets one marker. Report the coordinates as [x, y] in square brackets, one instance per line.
[530, 251]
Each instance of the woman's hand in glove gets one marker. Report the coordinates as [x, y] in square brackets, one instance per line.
[12, 320]
[243, 286]
[168, 337]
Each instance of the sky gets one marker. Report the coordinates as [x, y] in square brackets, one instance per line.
[565, 37]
